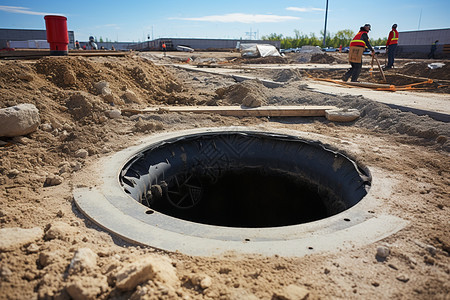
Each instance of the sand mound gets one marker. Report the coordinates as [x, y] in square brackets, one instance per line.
[421, 69]
[322, 58]
[286, 75]
[249, 93]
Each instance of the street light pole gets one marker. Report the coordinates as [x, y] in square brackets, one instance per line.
[325, 29]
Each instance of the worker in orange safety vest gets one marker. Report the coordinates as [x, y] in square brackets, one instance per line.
[391, 46]
[164, 48]
[357, 46]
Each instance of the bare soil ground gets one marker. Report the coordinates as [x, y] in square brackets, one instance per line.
[413, 151]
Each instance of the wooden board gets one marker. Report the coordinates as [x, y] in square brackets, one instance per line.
[37, 53]
[239, 111]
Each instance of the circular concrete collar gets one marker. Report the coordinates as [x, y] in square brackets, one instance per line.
[112, 209]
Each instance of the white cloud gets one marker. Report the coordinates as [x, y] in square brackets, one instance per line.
[304, 9]
[23, 10]
[241, 18]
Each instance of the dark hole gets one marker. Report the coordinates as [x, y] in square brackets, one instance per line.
[245, 198]
[244, 179]
[347, 220]
[149, 212]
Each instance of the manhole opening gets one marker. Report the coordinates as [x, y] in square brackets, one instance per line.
[244, 179]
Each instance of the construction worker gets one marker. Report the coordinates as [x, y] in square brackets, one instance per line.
[433, 49]
[391, 46]
[357, 46]
[77, 45]
[164, 48]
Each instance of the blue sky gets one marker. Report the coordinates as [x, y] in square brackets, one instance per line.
[136, 20]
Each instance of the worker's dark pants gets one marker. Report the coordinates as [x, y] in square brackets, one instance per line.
[391, 55]
[354, 71]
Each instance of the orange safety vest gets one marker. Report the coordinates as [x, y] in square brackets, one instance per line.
[357, 40]
[394, 39]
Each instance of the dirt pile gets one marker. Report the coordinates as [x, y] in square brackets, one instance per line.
[126, 76]
[322, 58]
[374, 116]
[262, 60]
[286, 75]
[249, 93]
[421, 69]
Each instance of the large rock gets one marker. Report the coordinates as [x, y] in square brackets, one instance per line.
[18, 120]
[149, 268]
[60, 231]
[86, 288]
[84, 259]
[11, 238]
[291, 292]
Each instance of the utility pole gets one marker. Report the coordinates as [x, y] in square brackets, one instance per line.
[325, 29]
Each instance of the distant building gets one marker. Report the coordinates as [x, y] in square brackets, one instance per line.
[119, 46]
[419, 42]
[35, 36]
[198, 44]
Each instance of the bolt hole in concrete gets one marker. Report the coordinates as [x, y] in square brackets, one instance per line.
[244, 179]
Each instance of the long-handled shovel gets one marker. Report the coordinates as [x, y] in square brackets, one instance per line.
[371, 67]
[379, 67]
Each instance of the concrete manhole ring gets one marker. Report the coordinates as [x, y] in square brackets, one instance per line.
[212, 190]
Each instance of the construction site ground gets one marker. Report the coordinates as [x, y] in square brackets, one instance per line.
[403, 135]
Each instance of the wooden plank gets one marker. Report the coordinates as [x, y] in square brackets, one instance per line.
[99, 53]
[25, 53]
[36, 53]
[239, 111]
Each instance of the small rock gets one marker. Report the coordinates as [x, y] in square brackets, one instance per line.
[53, 180]
[69, 78]
[60, 214]
[59, 230]
[402, 278]
[13, 173]
[46, 127]
[83, 259]
[76, 166]
[113, 114]
[291, 292]
[33, 248]
[383, 251]
[99, 86]
[15, 237]
[392, 266]
[25, 77]
[130, 96]
[204, 281]
[152, 267]
[81, 153]
[432, 250]
[64, 169]
[47, 258]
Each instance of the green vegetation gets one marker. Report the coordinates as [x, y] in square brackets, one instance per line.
[342, 37]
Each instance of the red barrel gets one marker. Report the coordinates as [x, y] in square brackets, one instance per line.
[57, 35]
